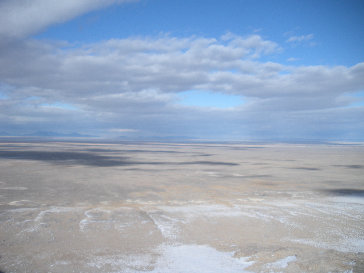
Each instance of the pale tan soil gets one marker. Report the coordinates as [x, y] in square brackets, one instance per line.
[77, 207]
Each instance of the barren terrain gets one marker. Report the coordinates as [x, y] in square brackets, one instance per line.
[153, 207]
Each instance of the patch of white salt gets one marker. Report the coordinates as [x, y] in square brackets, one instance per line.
[282, 263]
[349, 199]
[199, 259]
[174, 259]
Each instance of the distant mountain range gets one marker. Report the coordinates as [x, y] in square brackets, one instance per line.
[45, 134]
[156, 138]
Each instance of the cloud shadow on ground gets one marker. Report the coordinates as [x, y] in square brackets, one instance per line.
[93, 159]
[350, 166]
[208, 163]
[77, 158]
[306, 168]
[133, 151]
[345, 192]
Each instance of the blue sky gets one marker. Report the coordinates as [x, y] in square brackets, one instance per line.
[224, 70]
[336, 26]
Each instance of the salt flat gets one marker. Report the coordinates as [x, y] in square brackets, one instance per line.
[154, 207]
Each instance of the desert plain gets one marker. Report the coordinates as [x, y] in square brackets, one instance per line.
[192, 207]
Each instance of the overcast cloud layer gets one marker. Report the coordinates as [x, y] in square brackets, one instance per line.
[130, 86]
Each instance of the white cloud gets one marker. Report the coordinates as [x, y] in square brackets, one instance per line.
[132, 65]
[19, 18]
[301, 38]
[148, 67]
[118, 130]
[293, 59]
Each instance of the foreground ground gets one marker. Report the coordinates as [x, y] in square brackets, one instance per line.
[78, 207]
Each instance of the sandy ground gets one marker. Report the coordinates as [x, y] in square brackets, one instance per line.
[78, 207]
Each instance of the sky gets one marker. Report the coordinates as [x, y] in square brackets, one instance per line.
[207, 70]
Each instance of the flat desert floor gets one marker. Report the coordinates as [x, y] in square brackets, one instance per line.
[194, 208]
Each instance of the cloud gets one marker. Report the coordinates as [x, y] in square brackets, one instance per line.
[21, 18]
[123, 130]
[134, 83]
[301, 38]
[292, 59]
[164, 64]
